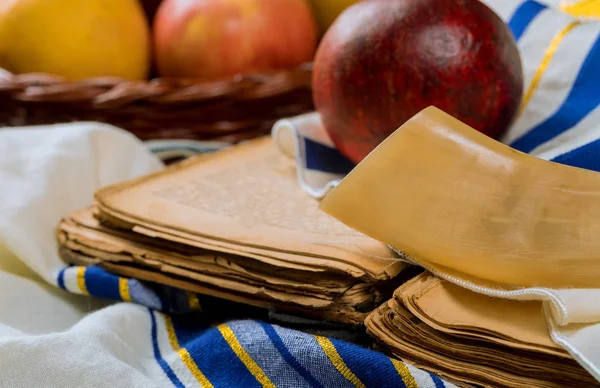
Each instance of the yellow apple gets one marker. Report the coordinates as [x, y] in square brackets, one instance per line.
[75, 39]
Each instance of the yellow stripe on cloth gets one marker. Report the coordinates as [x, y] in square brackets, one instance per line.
[404, 372]
[185, 355]
[81, 280]
[171, 333]
[193, 301]
[548, 55]
[243, 355]
[337, 361]
[584, 8]
[124, 289]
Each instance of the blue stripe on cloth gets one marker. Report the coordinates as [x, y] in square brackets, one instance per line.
[163, 364]
[102, 284]
[173, 299]
[372, 368]
[326, 159]
[587, 156]
[255, 341]
[437, 381]
[159, 297]
[288, 357]
[523, 17]
[212, 354]
[310, 355]
[60, 279]
[583, 98]
[144, 294]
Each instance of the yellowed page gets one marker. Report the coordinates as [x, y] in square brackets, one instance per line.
[454, 310]
[107, 247]
[248, 196]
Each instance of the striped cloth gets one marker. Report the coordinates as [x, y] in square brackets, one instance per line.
[167, 337]
[176, 149]
[241, 353]
[559, 120]
[246, 353]
[97, 282]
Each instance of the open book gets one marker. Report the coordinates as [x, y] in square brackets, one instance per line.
[234, 225]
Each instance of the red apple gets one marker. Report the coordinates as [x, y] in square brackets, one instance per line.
[213, 39]
[383, 61]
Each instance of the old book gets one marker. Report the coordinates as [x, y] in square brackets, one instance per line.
[234, 224]
[473, 338]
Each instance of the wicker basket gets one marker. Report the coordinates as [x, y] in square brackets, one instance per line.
[230, 111]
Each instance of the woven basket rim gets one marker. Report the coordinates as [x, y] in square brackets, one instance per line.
[112, 92]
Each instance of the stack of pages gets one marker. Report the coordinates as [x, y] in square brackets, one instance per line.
[235, 225]
[473, 338]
